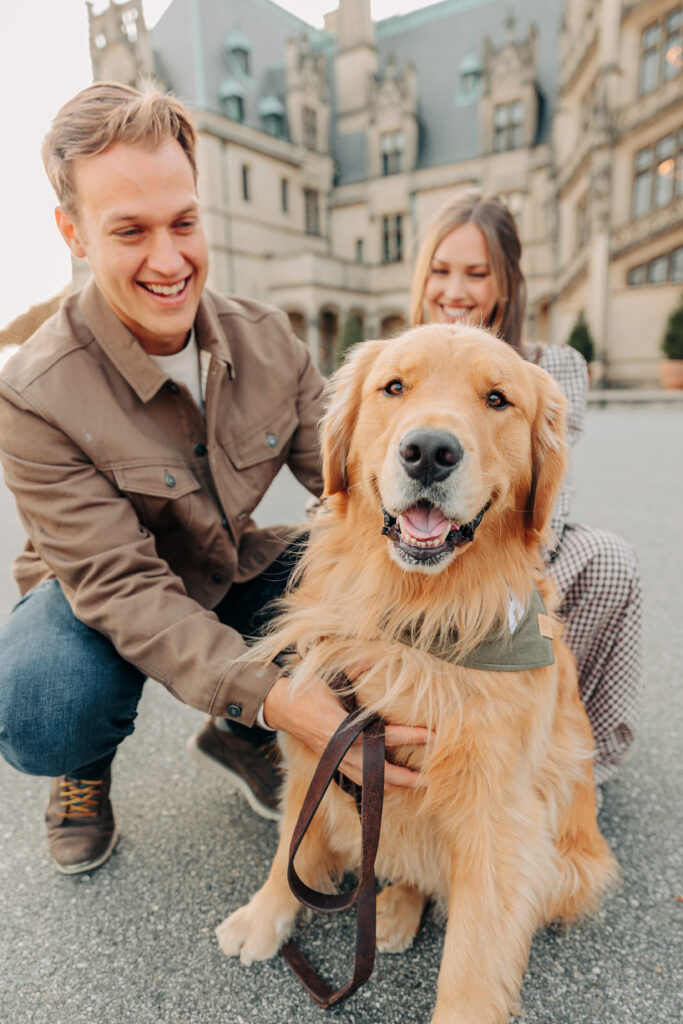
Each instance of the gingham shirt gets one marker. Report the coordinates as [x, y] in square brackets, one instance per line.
[596, 574]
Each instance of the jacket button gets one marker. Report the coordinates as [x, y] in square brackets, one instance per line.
[170, 480]
[200, 449]
[271, 440]
[234, 710]
[173, 387]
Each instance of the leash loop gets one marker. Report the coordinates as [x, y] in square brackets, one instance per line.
[364, 894]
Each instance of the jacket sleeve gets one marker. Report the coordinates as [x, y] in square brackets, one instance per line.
[90, 537]
[305, 459]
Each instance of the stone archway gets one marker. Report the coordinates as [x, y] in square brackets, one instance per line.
[328, 329]
[392, 325]
[297, 321]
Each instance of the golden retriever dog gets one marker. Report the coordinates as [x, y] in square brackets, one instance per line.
[444, 452]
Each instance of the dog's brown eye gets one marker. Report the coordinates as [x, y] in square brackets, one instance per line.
[394, 387]
[496, 400]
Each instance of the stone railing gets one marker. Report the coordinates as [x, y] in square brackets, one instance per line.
[646, 107]
[636, 232]
[578, 265]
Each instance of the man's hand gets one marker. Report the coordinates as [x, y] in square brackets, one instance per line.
[314, 715]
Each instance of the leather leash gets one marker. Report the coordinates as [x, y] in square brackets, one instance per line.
[369, 801]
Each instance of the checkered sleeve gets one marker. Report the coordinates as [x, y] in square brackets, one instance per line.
[568, 368]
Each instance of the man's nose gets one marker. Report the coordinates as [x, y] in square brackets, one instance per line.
[164, 255]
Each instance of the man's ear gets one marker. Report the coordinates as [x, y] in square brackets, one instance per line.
[70, 232]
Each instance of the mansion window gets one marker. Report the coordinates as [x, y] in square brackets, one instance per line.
[232, 100]
[284, 195]
[508, 120]
[661, 51]
[312, 211]
[658, 175]
[310, 127]
[662, 270]
[246, 191]
[392, 239]
[392, 145]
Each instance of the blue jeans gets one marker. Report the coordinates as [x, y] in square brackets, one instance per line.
[67, 698]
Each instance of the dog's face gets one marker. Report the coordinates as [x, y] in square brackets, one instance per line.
[444, 429]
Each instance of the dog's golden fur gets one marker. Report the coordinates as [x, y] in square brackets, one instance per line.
[504, 838]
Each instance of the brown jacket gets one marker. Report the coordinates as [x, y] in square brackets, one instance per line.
[139, 506]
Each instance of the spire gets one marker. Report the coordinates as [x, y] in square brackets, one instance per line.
[354, 24]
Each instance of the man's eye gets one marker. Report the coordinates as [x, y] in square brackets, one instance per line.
[496, 400]
[394, 387]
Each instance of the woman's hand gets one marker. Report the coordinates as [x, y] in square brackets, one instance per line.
[313, 716]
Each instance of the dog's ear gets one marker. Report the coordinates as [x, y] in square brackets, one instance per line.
[548, 453]
[344, 392]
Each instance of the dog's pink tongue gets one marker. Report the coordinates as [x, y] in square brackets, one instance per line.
[425, 523]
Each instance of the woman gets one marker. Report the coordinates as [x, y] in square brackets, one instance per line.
[467, 268]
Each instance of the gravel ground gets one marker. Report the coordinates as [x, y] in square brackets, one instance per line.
[133, 942]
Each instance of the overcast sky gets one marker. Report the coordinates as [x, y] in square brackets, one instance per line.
[44, 60]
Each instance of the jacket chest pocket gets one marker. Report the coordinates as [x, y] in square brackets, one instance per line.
[259, 453]
[164, 497]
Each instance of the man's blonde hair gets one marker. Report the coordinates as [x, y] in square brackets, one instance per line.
[106, 113]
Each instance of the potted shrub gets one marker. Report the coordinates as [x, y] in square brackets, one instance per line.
[581, 339]
[671, 368]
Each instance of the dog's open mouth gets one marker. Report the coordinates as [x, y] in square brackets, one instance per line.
[422, 533]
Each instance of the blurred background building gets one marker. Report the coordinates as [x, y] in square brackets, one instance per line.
[324, 153]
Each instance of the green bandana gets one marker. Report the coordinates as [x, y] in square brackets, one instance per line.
[529, 646]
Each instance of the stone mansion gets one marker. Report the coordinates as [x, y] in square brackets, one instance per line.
[324, 152]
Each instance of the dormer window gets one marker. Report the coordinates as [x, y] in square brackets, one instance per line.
[272, 114]
[392, 146]
[238, 52]
[508, 120]
[231, 96]
[469, 80]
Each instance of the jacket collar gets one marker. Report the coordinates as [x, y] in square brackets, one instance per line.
[124, 350]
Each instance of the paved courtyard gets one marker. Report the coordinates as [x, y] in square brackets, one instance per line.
[133, 943]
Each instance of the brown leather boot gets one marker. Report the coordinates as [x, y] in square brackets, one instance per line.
[253, 770]
[81, 831]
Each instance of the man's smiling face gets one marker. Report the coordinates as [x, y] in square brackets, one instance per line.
[137, 222]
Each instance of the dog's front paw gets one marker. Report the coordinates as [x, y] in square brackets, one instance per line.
[252, 934]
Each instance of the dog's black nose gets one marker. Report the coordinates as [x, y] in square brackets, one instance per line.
[430, 455]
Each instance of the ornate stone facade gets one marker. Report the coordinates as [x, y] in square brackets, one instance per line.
[323, 154]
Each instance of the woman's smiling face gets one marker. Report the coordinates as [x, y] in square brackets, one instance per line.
[460, 285]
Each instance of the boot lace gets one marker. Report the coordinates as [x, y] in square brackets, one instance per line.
[80, 798]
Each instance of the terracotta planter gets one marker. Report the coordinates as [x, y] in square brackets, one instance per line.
[671, 374]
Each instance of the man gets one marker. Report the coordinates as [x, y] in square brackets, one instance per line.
[139, 428]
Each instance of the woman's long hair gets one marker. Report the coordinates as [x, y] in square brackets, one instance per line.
[498, 227]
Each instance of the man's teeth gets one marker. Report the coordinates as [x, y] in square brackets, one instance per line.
[165, 289]
[434, 542]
